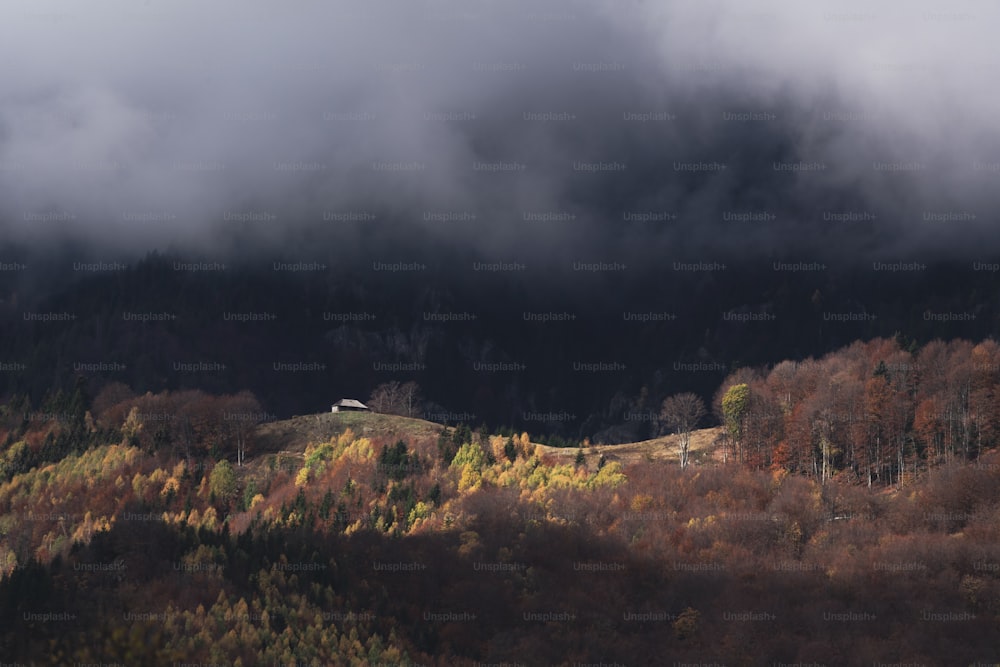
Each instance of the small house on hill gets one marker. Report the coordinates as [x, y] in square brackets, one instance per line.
[349, 405]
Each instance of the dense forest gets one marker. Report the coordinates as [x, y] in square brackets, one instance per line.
[874, 411]
[618, 343]
[853, 515]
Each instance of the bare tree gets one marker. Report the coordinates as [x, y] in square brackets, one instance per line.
[385, 397]
[240, 415]
[682, 413]
[409, 399]
[396, 399]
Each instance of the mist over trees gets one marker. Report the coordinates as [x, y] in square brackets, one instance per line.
[605, 407]
[524, 233]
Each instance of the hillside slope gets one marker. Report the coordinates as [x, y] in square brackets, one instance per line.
[664, 448]
[338, 544]
[291, 436]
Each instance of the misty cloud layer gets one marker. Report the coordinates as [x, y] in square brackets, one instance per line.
[130, 126]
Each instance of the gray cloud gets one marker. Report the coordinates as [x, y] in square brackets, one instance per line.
[134, 125]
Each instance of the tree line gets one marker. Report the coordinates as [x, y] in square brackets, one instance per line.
[190, 423]
[876, 411]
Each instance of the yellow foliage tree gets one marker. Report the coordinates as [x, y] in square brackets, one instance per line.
[210, 519]
[497, 444]
[132, 425]
[256, 501]
[470, 479]
[523, 445]
[420, 513]
[171, 486]
[640, 502]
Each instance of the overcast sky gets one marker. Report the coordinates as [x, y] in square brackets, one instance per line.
[132, 124]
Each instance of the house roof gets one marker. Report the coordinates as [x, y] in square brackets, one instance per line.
[350, 403]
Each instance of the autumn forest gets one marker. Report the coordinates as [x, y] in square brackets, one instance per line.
[846, 513]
